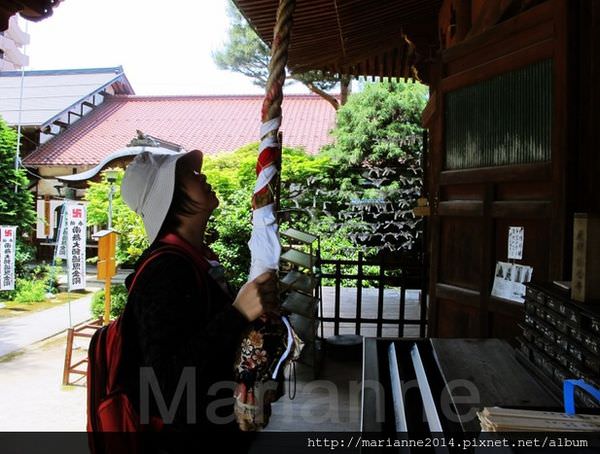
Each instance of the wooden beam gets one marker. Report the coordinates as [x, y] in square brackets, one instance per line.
[522, 209]
[429, 110]
[47, 215]
[459, 295]
[512, 62]
[468, 208]
[61, 124]
[522, 172]
[537, 15]
[463, 19]
[491, 13]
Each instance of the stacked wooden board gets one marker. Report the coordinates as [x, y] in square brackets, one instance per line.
[496, 419]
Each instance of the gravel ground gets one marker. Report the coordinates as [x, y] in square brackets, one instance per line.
[32, 397]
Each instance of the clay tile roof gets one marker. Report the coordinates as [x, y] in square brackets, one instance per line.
[209, 123]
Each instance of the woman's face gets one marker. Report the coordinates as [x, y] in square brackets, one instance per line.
[194, 182]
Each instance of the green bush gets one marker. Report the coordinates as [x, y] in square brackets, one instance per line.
[132, 237]
[16, 207]
[30, 291]
[118, 299]
[30, 279]
[24, 254]
[233, 175]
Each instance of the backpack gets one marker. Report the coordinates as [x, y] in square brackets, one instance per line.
[109, 409]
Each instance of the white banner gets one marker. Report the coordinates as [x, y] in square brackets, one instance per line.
[60, 250]
[8, 243]
[76, 242]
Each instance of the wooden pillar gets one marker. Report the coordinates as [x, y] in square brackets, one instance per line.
[47, 216]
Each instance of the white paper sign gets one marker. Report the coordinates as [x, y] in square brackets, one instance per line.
[516, 235]
[76, 242]
[60, 250]
[8, 243]
[509, 280]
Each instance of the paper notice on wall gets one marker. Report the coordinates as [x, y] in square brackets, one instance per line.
[8, 244]
[76, 243]
[509, 280]
[516, 236]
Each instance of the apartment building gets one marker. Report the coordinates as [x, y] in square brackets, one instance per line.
[12, 46]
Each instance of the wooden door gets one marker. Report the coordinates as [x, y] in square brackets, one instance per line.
[498, 159]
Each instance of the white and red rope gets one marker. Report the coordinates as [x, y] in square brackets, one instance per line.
[264, 243]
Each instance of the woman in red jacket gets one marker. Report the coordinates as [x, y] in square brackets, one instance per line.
[182, 324]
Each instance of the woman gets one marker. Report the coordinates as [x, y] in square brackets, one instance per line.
[182, 325]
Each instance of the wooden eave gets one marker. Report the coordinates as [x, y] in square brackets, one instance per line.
[34, 10]
[357, 37]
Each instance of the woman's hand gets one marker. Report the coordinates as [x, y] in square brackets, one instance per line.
[258, 296]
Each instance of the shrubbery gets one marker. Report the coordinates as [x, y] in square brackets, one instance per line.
[379, 126]
[30, 291]
[118, 298]
[132, 237]
[33, 283]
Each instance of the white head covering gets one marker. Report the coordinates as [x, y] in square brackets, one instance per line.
[148, 186]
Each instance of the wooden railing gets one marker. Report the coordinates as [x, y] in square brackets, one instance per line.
[405, 273]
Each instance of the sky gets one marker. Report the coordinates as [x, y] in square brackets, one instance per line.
[163, 50]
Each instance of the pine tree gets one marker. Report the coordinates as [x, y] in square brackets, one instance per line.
[16, 207]
[245, 53]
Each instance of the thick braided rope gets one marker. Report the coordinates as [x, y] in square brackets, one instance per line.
[270, 148]
[264, 242]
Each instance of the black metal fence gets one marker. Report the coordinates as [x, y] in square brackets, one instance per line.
[376, 313]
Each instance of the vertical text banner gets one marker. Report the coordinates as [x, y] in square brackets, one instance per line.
[60, 250]
[76, 242]
[8, 243]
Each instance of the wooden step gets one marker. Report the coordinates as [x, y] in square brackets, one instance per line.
[299, 303]
[299, 281]
[297, 235]
[299, 258]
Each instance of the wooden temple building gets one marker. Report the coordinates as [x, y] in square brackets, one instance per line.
[513, 105]
[512, 123]
[512, 115]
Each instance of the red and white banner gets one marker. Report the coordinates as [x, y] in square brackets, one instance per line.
[8, 243]
[76, 242]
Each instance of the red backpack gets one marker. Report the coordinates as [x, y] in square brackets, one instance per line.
[109, 409]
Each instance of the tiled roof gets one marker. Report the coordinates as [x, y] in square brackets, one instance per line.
[49, 93]
[209, 123]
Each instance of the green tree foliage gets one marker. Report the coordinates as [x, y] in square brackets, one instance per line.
[16, 208]
[244, 52]
[380, 126]
[132, 236]
[247, 54]
[30, 291]
[233, 175]
[118, 299]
